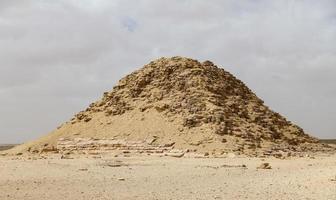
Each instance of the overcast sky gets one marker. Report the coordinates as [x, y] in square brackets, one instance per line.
[58, 56]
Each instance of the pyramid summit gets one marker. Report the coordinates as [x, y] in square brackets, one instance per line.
[185, 103]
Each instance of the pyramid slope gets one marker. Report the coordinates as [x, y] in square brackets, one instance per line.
[196, 105]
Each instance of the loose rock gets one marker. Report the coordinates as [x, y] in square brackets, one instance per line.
[264, 166]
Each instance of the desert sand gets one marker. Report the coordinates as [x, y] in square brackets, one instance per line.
[150, 177]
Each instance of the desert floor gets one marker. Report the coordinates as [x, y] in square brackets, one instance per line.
[153, 177]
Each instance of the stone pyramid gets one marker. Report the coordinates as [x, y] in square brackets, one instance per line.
[186, 103]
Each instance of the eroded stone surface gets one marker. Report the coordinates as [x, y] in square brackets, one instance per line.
[89, 145]
[194, 104]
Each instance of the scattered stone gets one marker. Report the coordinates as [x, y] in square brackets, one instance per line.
[114, 165]
[196, 143]
[66, 157]
[233, 166]
[87, 119]
[175, 153]
[264, 166]
[169, 144]
[49, 149]
[225, 166]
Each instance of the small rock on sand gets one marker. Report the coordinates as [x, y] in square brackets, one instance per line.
[264, 166]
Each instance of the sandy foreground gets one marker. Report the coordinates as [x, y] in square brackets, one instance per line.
[153, 177]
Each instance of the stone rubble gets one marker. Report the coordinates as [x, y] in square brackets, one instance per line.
[91, 146]
[202, 94]
[265, 166]
[202, 106]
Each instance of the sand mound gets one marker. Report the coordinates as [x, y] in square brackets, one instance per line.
[195, 106]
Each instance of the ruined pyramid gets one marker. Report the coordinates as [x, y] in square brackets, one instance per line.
[187, 104]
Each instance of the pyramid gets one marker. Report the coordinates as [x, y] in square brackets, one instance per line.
[181, 101]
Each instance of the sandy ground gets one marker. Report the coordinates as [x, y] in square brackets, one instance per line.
[153, 177]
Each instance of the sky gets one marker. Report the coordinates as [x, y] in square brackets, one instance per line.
[56, 57]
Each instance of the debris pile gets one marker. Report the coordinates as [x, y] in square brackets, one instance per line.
[196, 106]
[91, 146]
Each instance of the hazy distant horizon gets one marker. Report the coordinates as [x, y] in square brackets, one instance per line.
[56, 57]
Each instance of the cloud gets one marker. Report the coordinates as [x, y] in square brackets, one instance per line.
[58, 56]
